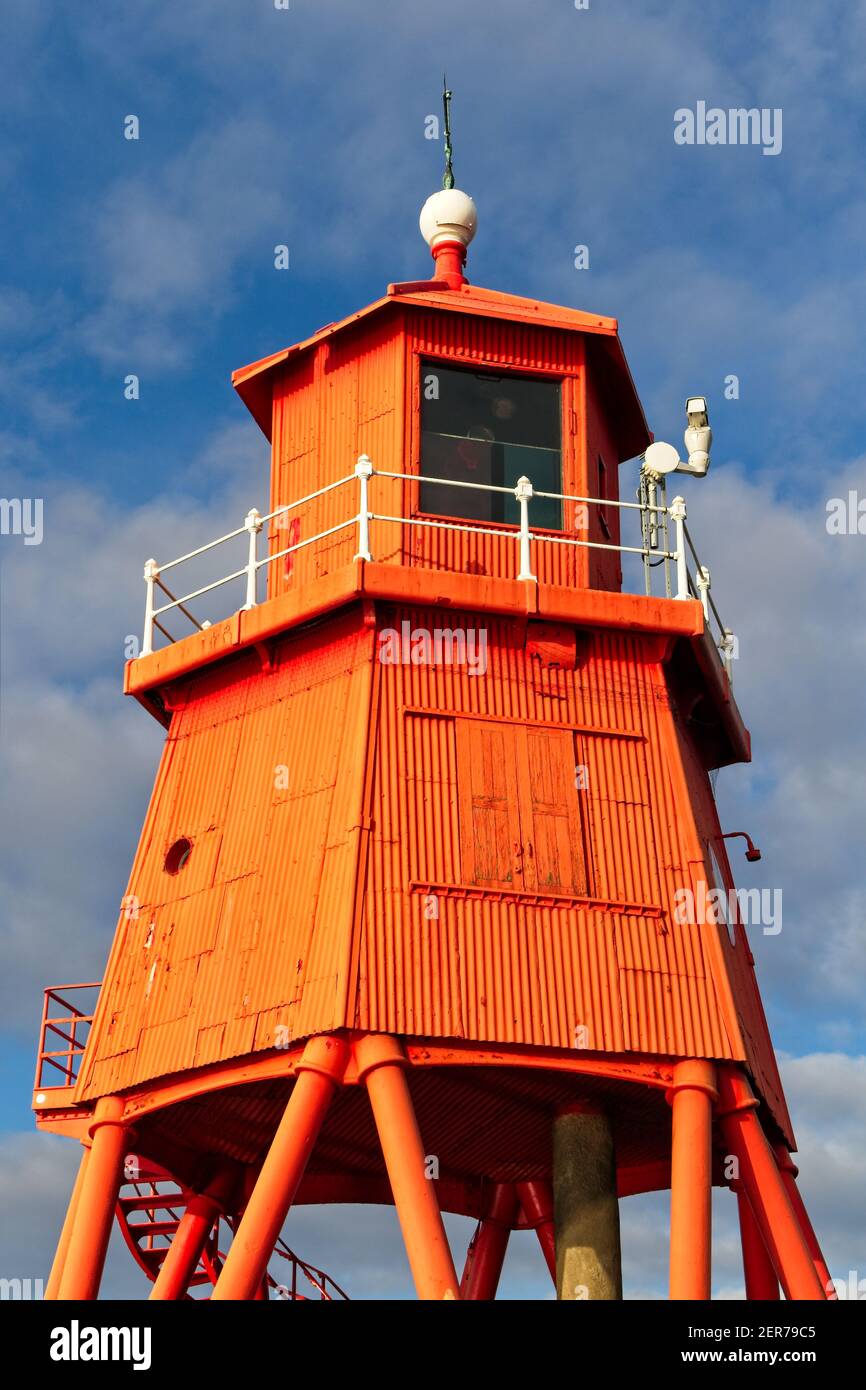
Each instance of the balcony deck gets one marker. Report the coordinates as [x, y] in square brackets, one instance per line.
[407, 557]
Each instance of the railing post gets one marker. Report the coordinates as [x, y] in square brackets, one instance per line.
[523, 493]
[253, 525]
[151, 574]
[702, 579]
[647, 518]
[363, 471]
[678, 517]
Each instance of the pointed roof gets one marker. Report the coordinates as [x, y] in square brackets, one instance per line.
[254, 383]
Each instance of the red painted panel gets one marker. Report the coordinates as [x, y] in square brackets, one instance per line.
[458, 939]
[263, 771]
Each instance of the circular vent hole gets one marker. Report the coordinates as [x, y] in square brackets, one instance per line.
[177, 855]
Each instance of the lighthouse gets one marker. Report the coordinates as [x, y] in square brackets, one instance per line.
[406, 921]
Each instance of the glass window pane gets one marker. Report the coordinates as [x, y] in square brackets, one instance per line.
[479, 427]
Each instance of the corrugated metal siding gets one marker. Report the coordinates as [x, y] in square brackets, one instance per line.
[461, 552]
[294, 470]
[263, 771]
[509, 966]
[256, 932]
[345, 399]
[497, 341]
[604, 566]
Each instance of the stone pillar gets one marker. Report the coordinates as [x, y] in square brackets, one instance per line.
[585, 1207]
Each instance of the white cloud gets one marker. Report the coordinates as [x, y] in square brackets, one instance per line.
[164, 244]
[795, 597]
[78, 757]
[827, 1095]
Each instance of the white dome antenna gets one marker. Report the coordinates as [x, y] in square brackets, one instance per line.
[449, 215]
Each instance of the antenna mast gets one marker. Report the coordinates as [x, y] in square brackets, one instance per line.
[448, 176]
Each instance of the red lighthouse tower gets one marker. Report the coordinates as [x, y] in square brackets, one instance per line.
[406, 922]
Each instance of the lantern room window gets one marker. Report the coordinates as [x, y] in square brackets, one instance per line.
[489, 428]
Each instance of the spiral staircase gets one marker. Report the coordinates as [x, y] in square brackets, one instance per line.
[149, 1209]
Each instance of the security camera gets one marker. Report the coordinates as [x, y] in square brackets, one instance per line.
[661, 458]
[696, 410]
[698, 437]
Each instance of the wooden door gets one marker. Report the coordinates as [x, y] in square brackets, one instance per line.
[551, 826]
[520, 821]
[490, 843]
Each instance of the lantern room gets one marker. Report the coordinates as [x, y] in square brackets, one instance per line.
[456, 394]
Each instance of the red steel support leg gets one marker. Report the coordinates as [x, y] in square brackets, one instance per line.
[52, 1288]
[88, 1239]
[486, 1254]
[196, 1224]
[381, 1063]
[788, 1169]
[320, 1071]
[761, 1281]
[760, 1176]
[691, 1096]
[536, 1199]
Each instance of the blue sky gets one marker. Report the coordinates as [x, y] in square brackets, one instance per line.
[306, 127]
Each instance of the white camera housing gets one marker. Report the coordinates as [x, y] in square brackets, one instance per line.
[698, 437]
[661, 458]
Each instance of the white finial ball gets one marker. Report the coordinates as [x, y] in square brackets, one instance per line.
[449, 215]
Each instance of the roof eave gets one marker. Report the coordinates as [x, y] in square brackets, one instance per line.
[253, 382]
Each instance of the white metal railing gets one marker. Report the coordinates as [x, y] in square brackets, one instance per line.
[699, 587]
[657, 521]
